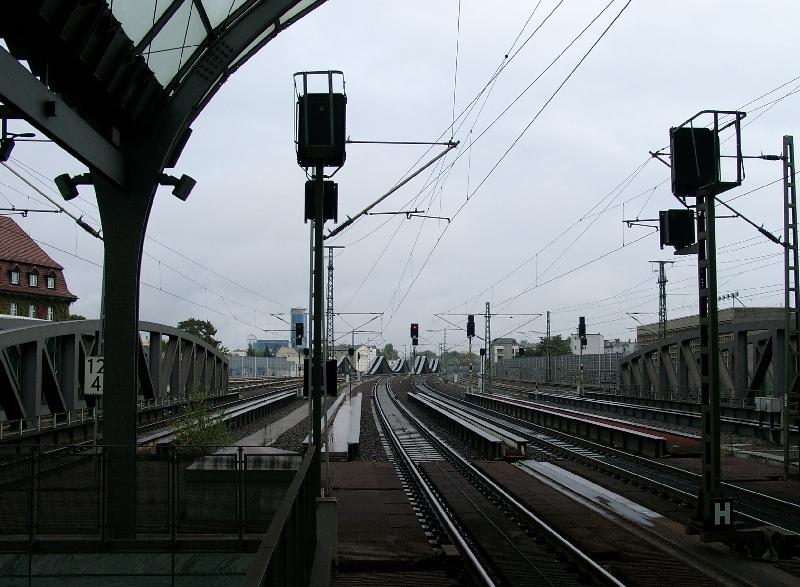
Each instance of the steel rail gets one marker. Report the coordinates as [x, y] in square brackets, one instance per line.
[655, 466]
[433, 501]
[573, 552]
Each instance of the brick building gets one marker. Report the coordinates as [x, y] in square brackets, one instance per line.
[31, 283]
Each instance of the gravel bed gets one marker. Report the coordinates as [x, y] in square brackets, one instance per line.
[293, 438]
[401, 389]
[369, 444]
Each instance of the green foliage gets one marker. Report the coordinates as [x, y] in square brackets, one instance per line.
[389, 352]
[558, 346]
[198, 429]
[200, 328]
[76, 317]
[252, 352]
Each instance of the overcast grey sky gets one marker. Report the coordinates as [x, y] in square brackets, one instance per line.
[551, 206]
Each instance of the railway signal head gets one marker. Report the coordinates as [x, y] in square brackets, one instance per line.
[351, 351]
[471, 325]
[582, 327]
[483, 352]
[298, 334]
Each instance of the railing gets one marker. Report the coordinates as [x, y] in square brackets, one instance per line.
[688, 394]
[17, 428]
[286, 554]
[180, 493]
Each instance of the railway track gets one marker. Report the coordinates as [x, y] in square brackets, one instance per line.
[749, 424]
[158, 432]
[676, 483]
[501, 540]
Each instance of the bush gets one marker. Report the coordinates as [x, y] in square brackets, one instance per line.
[198, 429]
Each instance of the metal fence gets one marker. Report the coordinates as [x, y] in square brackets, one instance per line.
[248, 367]
[180, 493]
[286, 554]
[597, 369]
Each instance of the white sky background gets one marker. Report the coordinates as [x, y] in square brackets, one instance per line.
[658, 65]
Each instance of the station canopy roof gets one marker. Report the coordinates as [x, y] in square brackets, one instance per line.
[170, 33]
[119, 62]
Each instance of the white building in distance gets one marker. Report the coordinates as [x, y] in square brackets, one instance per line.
[594, 344]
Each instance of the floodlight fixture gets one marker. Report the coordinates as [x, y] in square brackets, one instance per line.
[6, 146]
[7, 141]
[182, 186]
[68, 185]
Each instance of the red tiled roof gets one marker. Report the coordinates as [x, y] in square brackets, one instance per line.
[16, 245]
[17, 249]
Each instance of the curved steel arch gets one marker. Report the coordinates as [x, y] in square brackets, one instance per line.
[126, 143]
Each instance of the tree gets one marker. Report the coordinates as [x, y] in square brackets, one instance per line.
[558, 346]
[200, 328]
[76, 317]
[389, 353]
[198, 430]
[250, 351]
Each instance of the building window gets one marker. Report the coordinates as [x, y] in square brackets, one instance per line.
[12, 309]
[33, 279]
[31, 311]
[49, 312]
[51, 282]
[14, 277]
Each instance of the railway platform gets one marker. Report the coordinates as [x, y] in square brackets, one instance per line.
[378, 529]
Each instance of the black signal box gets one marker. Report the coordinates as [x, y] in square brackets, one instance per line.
[694, 154]
[483, 352]
[582, 327]
[321, 130]
[676, 228]
[306, 377]
[330, 201]
[330, 376]
[471, 325]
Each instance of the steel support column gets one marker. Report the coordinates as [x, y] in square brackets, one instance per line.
[316, 364]
[124, 215]
[487, 361]
[792, 296]
[709, 358]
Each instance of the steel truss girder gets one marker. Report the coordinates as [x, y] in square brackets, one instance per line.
[66, 127]
[43, 361]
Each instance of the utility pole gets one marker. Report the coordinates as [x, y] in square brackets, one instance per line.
[696, 173]
[547, 348]
[443, 345]
[662, 317]
[329, 337]
[487, 360]
[662, 297]
[792, 299]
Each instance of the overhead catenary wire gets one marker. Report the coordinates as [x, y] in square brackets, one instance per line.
[47, 182]
[78, 219]
[514, 143]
